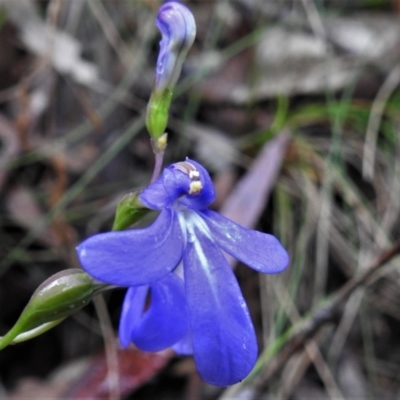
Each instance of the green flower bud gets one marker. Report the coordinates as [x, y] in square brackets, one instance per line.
[129, 211]
[58, 297]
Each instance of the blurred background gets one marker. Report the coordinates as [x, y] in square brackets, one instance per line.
[294, 108]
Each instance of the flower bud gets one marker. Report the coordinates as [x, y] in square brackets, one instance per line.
[58, 297]
[178, 30]
[129, 211]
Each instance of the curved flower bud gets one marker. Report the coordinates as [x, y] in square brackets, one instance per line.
[58, 297]
[178, 30]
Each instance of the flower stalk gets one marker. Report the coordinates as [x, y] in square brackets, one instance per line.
[178, 30]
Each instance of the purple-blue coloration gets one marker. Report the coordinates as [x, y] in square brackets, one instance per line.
[178, 30]
[154, 330]
[204, 313]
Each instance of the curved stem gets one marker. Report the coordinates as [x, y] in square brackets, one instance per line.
[159, 145]
[159, 157]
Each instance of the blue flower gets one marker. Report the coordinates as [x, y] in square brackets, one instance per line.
[178, 30]
[205, 311]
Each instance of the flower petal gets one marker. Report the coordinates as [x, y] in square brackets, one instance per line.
[132, 309]
[166, 320]
[185, 346]
[171, 185]
[176, 184]
[207, 194]
[258, 250]
[155, 196]
[224, 342]
[137, 256]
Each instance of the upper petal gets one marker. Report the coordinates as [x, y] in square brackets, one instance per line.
[137, 256]
[155, 196]
[166, 320]
[186, 182]
[171, 185]
[206, 195]
[224, 342]
[258, 250]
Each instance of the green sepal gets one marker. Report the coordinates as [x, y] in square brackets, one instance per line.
[60, 296]
[23, 337]
[157, 113]
[129, 211]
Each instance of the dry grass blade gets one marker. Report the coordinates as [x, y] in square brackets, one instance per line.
[10, 146]
[248, 199]
[111, 32]
[386, 90]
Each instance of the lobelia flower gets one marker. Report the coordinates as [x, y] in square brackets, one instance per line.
[204, 313]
